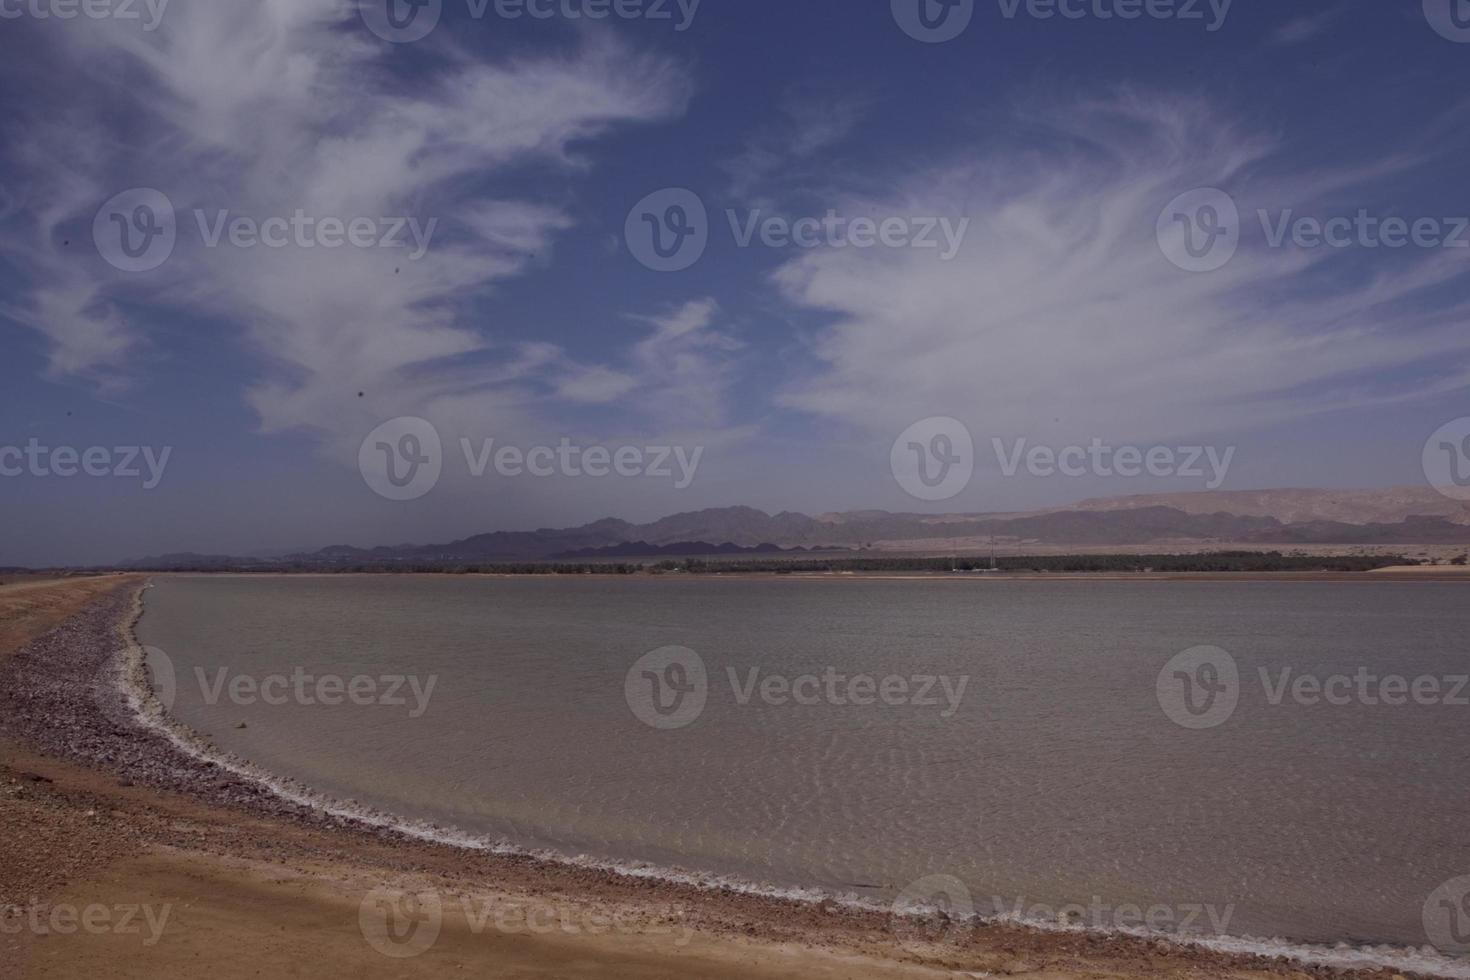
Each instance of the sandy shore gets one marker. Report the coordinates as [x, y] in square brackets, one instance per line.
[126, 857]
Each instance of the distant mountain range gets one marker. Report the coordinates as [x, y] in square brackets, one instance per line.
[679, 549]
[1391, 506]
[1183, 521]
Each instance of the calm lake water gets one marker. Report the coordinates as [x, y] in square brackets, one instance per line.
[1056, 776]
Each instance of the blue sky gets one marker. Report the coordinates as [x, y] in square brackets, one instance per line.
[1056, 143]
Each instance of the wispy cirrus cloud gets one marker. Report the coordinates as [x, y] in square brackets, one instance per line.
[688, 362]
[273, 108]
[1300, 29]
[678, 374]
[788, 150]
[1062, 319]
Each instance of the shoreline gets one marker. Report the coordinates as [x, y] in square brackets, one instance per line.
[1391, 573]
[105, 727]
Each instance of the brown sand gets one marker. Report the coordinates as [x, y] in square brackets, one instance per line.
[249, 893]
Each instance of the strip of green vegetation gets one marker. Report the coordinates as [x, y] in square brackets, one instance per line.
[1222, 561]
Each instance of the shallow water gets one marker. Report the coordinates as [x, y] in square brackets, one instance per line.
[1053, 776]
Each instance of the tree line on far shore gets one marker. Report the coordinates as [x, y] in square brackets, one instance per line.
[1220, 561]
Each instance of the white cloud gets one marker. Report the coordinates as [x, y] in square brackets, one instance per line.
[788, 150]
[1300, 29]
[677, 376]
[1062, 319]
[685, 366]
[88, 337]
[595, 385]
[263, 108]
